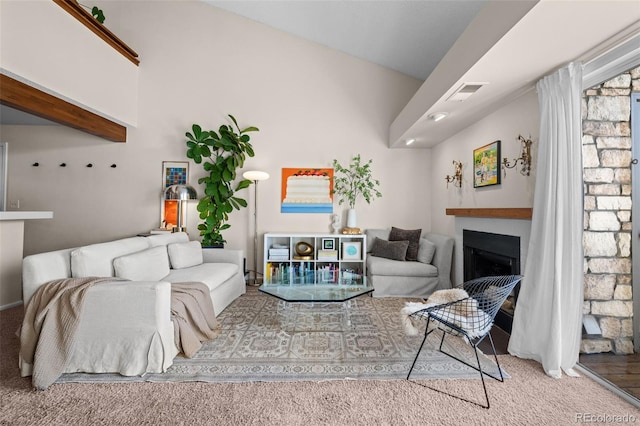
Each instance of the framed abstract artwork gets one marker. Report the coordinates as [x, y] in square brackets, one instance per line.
[173, 173]
[352, 250]
[486, 165]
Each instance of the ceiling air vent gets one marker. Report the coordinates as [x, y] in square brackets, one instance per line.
[466, 90]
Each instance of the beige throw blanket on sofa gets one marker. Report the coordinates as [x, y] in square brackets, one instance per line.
[194, 320]
[48, 331]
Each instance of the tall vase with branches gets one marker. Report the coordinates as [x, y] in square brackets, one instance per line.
[353, 182]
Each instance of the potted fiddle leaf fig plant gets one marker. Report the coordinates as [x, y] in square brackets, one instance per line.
[221, 154]
[352, 182]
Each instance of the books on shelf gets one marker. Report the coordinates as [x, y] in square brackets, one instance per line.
[327, 254]
[278, 252]
[277, 257]
[160, 231]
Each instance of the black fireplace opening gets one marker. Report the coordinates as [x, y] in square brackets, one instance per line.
[486, 254]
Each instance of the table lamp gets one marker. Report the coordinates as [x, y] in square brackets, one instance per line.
[180, 193]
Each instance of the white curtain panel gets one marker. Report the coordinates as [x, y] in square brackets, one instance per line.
[548, 319]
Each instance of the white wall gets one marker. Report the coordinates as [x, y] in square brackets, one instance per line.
[520, 117]
[43, 45]
[198, 64]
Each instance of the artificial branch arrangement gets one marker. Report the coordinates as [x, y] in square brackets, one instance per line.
[355, 181]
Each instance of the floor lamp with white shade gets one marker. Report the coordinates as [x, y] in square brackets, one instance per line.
[255, 176]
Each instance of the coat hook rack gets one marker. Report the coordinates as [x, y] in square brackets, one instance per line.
[63, 164]
[113, 166]
[457, 175]
[90, 165]
[525, 158]
[36, 164]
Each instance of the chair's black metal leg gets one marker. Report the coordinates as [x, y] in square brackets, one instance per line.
[442, 341]
[484, 386]
[426, 333]
[495, 356]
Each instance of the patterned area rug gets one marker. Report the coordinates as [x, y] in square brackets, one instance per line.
[266, 339]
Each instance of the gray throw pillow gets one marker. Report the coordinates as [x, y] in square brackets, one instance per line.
[413, 236]
[426, 251]
[394, 250]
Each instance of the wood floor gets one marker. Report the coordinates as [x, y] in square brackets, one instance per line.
[623, 371]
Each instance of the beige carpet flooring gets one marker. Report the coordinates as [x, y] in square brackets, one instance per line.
[528, 398]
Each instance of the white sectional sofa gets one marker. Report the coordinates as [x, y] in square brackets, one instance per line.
[125, 326]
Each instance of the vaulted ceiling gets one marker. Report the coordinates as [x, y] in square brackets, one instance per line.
[407, 36]
[507, 46]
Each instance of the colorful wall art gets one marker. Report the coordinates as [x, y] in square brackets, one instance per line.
[307, 190]
[486, 165]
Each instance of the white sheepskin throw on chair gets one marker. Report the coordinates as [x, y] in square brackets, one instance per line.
[465, 315]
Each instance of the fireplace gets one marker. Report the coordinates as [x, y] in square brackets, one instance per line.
[486, 254]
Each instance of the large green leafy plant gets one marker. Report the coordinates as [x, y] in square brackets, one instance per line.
[221, 153]
[354, 181]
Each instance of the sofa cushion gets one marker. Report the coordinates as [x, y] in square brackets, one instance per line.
[413, 236]
[426, 251]
[212, 274]
[96, 260]
[147, 265]
[166, 239]
[372, 234]
[185, 255]
[395, 250]
[381, 266]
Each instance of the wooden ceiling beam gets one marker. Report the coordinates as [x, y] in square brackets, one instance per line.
[21, 96]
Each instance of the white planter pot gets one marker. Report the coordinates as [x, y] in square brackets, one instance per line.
[351, 219]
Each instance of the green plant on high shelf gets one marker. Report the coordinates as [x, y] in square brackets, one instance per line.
[353, 182]
[221, 154]
[96, 12]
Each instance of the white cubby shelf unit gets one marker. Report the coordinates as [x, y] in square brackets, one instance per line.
[332, 259]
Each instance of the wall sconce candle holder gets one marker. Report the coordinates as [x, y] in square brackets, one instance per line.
[456, 179]
[524, 160]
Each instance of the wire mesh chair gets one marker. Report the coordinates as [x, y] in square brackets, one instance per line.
[470, 318]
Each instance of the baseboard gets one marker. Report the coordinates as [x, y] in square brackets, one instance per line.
[11, 305]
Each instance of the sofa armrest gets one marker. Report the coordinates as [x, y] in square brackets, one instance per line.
[114, 310]
[442, 258]
[215, 255]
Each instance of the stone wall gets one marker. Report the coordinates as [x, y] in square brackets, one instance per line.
[606, 150]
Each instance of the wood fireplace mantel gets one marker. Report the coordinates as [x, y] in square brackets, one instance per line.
[496, 213]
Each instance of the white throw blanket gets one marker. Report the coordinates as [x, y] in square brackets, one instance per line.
[464, 315]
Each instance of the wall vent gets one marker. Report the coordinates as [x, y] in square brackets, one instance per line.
[464, 91]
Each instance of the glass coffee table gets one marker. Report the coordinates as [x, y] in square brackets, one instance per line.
[316, 292]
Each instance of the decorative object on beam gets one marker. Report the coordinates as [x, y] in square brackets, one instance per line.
[524, 160]
[456, 179]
